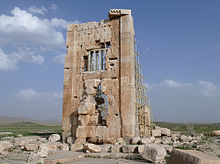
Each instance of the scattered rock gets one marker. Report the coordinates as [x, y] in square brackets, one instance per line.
[215, 133]
[105, 148]
[145, 141]
[54, 138]
[136, 140]
[92, 148]
[5, 146]
[78, 145]
[166, 140]
[45, 148]
[165, 131]
[63, 147]
[24, 140]
[185, 138]
[156, 133]
[168, 149]
[44, 140]
[20, 135]
[129, 148]
[192, 157]
[157, 141]
[154, 153]
[116, 148]
[141, 149]
[30, 147]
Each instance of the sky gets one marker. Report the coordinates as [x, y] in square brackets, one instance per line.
[178, 41]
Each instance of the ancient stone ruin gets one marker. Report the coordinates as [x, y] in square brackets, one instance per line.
[104, 97]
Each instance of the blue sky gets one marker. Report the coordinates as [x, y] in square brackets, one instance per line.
[179, 44]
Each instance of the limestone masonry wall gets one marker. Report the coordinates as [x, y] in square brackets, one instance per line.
[100, 54]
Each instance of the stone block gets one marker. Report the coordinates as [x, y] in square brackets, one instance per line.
[92, 148]
[81, 132]
[154, 153]
[156, 133]
[130, 148]
[5, 146]
[83, 120]
[192, 157]
[215, 133]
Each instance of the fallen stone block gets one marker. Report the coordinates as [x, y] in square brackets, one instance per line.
[192, 157]
[30, 147]
[165, 131]
[24, 140]
[63, 157]
[215, 133]
[135, 140]
[185, 138]
[154, 153]
[145, 141]
[54, 138]
[45, 148]
[5, 146]
[92, 148]
[116, 148]
[129, 148]
[156, 133]
[105, 148]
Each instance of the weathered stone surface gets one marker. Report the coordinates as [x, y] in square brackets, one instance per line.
[146, 141]
[5, 146]
[185, 138]
[63, 157]
[168, 148]
[156, 133]
[215, 133]
[192, 157]
[129, 148]
[166, 140]
[141, 149]
[54, 138]
[165, 131]
[78, 145]
[157, 141]
[92, 148]
[154, 153]
[45, 148]
[31, 147]
[116, 148]
[83, 72]
[63, 147]
[136, 140]
[24, 140]
[105, 148]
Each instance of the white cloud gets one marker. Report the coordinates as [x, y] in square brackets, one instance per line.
[22, 28]
[28, 55]
[208, 88]
[203, 88]
[35, 10]
[7, 62]
[29, 37]
[27, 94]
[31, 94]
[53, 7]
[170, 84]
[60, 59]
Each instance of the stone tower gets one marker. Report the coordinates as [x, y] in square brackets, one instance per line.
[99, 94]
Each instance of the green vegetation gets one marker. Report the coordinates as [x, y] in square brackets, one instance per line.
[29, 129]
[188, 128]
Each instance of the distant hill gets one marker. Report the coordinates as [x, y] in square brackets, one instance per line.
[10, 120]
